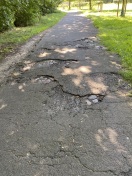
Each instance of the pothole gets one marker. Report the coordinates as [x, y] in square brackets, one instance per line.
[64, 101]
[88, 100]
[86, 43]
[93, 99]
[46, 63]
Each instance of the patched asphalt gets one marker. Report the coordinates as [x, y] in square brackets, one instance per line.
[64, 109]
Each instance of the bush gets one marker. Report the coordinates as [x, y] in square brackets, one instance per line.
[46, 7]
[24, 18]
[6, 18]
[26, 13]
[23, 12]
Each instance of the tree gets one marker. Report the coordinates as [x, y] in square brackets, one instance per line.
[6, 15]
[123, 11]
[69, 3]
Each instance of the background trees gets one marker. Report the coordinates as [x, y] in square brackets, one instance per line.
[25, 12]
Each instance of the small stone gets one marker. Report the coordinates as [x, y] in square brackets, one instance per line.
[87, 57]
[92, 97]
[91, 45]
[67, 66]
[52, 47]
[78, 46]
[88, 102]
[97, 47]
[87, 41]
[95, 101]
[104, 48]
[84, 85]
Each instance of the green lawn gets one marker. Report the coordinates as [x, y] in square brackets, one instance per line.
[116, 34]
[9, 40]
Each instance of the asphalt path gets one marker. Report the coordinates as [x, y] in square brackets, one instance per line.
[64, 109]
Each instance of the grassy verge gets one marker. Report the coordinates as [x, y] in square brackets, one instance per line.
[9, 40]
[116, 34]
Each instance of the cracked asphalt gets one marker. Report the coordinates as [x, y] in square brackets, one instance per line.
[64, 109]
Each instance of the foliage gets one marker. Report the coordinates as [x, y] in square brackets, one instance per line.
[115, 33]
[6, 18]
[24, 12]
[10, 39]
[47, 6]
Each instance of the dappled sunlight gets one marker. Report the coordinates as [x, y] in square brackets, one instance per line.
[16, 74]
[122, 94]
[77, 81]
[22, 87]
[93, 38]
[2, 104]
[115, 63]
[96, 86]
[82, 70]
[78, 72]
[81, 78]
[28, 66]
[44, 54]
[58, 51]
[111, 56]
[65, 50]
[94, 63]
[108, 139]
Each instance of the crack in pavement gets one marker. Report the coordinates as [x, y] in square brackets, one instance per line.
[48, 59]
[45, 116]
[62, 88]
[95, 171]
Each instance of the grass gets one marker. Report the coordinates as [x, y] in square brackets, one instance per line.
[9, 40]
[116, 34]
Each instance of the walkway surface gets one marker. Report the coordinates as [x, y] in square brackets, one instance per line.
[64, 109]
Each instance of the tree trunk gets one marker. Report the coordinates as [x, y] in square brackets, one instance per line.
[69, 4]
[90, 4]
[123, 10]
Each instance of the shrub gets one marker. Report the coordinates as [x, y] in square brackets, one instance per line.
[26, 13]
[24, 18]
[6, 18]
[23, 12]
